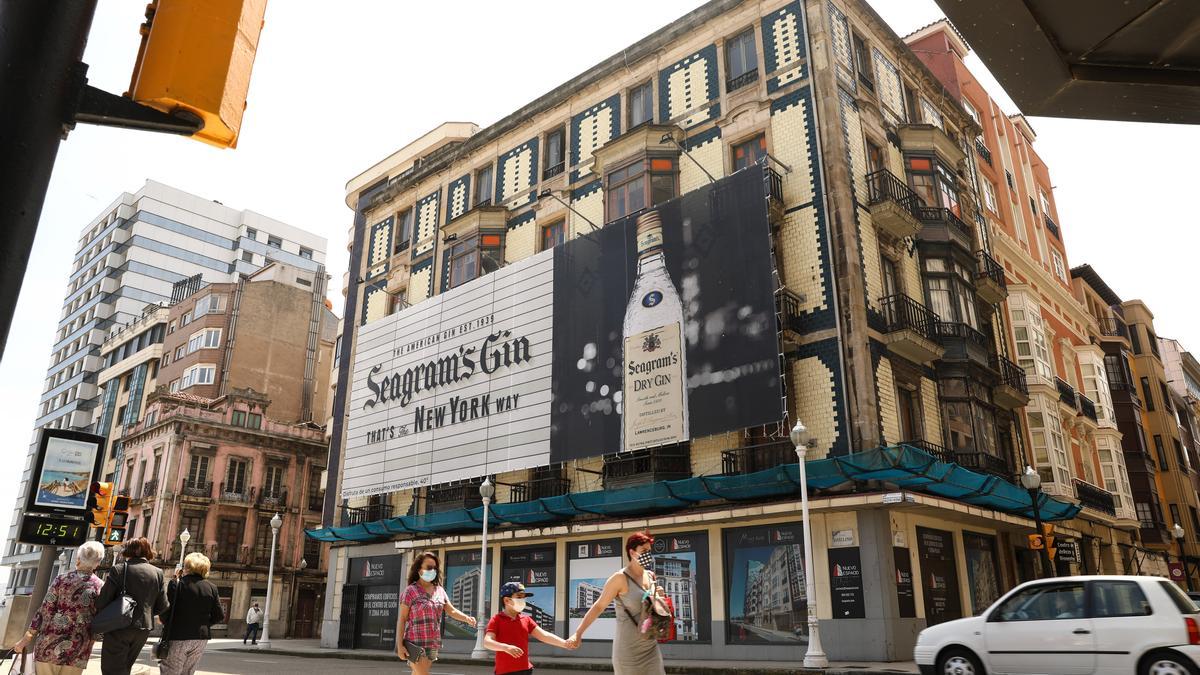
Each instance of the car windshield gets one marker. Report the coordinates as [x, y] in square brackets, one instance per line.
[1181, 600]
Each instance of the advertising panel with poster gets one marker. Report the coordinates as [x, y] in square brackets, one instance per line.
[533, 566]
[589, 565]
[655, 329]
[462, 585]
[982, 570]
[63, 471]
[681, 569]
[765, 586]
[939, 575]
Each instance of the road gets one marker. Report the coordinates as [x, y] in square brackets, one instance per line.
[220, 662]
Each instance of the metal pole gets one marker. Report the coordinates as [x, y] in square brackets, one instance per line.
[481, 616]
[41, 47]
[1187, 577]
[265, 641]
[41, 582]
[815, 656]
[1037, 523]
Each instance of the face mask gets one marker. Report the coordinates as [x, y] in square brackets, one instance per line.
[429, 575]
[518, 605]
[646, 560]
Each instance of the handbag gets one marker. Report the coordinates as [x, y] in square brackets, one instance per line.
[117, 614]
[22, 664]
[162, 648]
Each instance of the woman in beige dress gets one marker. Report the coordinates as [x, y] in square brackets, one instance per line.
[634, 653]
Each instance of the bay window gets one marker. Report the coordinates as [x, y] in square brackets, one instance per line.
[475, 256]
[935, 182]
[633, 187]
[949, 291]
[967, 415]
[1049, 448]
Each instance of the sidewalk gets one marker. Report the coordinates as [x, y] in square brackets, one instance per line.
[312, 649]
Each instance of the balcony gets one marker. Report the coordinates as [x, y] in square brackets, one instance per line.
[787, 304]
[961, 342]
[273, 500]
[755, 458]
[537, 488]
[641, 467]
[939, 453]
[1112, 327]
[941, 225]
[1011, 391]
[989, 279]
[1088, 409]
[365, 514]
[982, 150]
[197, 491]
[775, 205]
[150, 489]
[442, 498]
[909, 329]
[1066, 394]
[1095, 498]
[1124, 393]
[1052, 227]
[983, 462]
[552, 171]
[236, 495]
[930, 138]
[893, 204]
[735, 83]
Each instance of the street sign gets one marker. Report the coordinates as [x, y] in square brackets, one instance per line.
[1068, 551]
[1175, 569]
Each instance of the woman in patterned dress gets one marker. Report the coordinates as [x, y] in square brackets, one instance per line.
[62, 626]
[422, 605]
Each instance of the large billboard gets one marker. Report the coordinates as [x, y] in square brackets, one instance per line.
[650, 331]
[63, 471]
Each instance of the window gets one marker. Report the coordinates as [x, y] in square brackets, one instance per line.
[180, 352]
[1060, 269]
[989, 196]
[1160, 452]
[125, 382]
[1045, 602]
[306, 253]
[1195, 518]
[193, 522]
[174, 385]
[1166, 396]
[1179, 456]
[198, 471]
[229, 539]
[262, 541]
[950, 295]
[185, 319]
[121, 414]
[1182, 602]
[1147, 398]
[935, 183]
[1033, 207]
[1008, 177]
[1118, 598]
[251, 233]
[254, 421]
[274, 242]
[247, 256]
[404, 230]
[862, 62]
[553, 234]
[555, 157]
[630, 190]
[239, 418]
[891, 278]
[641, 105]
[741, 61]
[475, 256]
[1135, 338]
[209, 338]
[1045, 202]
[1175, 519]
[273, 484]
[911, 109]
[235, 476]
[483, 186]
[201, 374]
[1145, 515]
[749, 152]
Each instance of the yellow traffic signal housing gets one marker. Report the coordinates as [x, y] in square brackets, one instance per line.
[1036, 542]
[100, 503]
[196, 57]
[118, 521]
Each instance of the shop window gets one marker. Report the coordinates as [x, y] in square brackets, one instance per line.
[749, 152]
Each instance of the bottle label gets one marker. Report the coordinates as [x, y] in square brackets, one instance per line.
[649, 240]
[652, 298]
[653, 394]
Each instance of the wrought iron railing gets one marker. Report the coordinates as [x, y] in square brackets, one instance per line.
[552, 171]
[658, 464]
[735, 83]
[934, 449]
[273, 499]
[1087, 408]
[955, 330]
[788, 306]
[150, 488]
[537, 488]
[1113, 327]
[236, 494]
[901, 312]
[985, 463]
[201, 489]
[440, 498]
[365, 514]
[1066, 393]
[987, 267]
[774, 185]
[1052, 226]
[938, 214]
[754, 458]
[883, 185]
[983, 151]
[1011, 374]
[1095, 498]
[402, 246]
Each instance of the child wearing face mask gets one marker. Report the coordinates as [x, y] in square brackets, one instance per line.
[508, 633]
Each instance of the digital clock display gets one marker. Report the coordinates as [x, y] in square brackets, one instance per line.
[52, 530]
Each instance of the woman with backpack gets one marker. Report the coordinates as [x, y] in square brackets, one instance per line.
[640, 613]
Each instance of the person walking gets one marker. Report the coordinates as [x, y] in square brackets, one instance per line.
[143, 582]
[422, 610]
[195, 606]
[254, 617]
[633, 652]
[62, 626]
[508, 633]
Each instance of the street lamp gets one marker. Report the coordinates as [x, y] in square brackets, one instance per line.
[265, 642]
[1032, 481]
[184, 538]
[486, 491]
[815, 656]
[1179, 533]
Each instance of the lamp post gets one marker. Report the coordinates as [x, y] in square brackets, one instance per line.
[486, 491]
[1031, 481]
[1179, 533]
[184, 538]
[265, 642]
[815, 656]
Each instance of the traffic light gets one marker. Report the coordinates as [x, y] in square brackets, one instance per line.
[1036, 542]
[100, 503]
[118, 521]
[196, 58]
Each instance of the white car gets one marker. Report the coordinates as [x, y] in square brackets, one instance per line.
[1115, 625]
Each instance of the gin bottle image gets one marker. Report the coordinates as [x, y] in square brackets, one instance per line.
[654, 390]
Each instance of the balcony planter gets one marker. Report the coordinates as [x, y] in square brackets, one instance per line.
[909, 329]
[893, 205]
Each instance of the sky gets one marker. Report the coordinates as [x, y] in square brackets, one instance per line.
[333, 92]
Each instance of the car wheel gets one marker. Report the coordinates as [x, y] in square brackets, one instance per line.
[958, 661]
[1167, 663]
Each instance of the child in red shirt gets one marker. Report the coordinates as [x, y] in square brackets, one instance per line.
[508, 633]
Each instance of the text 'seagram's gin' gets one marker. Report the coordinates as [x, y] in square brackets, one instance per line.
[654, 394]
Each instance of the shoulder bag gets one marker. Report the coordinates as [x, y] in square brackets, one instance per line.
[659, 611]
[117, 614]
[163, 647]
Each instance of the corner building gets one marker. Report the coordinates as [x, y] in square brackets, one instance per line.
[891, 344]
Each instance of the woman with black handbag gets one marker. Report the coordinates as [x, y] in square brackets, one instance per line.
[133, 594]
[195, 607]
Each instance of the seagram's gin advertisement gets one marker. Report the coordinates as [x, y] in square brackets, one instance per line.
[648, 332]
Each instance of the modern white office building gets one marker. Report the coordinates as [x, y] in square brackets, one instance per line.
[128, 257]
